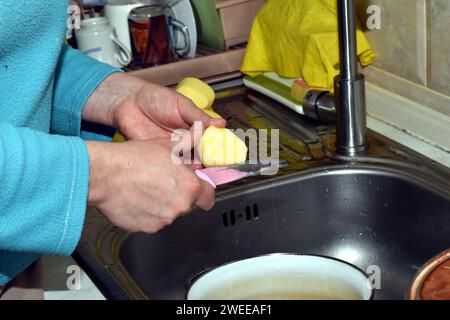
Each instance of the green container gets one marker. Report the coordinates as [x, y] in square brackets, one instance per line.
[209, 25]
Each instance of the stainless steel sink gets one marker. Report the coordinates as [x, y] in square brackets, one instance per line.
[390, 210]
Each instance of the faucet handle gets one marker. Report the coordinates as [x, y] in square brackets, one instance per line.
[320, 105]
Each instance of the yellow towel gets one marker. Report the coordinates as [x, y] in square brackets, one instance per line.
[299, 38]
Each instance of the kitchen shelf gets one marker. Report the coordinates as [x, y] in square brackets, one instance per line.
[209, 66]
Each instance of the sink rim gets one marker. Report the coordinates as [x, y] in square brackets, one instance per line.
[385, 167]
[113, 238]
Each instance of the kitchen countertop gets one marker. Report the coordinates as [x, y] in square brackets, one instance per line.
[409, 123]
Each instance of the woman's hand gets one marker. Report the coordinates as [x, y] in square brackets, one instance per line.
[141, 110]
[136, 184]
[139, 188]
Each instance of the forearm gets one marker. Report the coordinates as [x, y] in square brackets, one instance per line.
[44, 190]
[102, 104]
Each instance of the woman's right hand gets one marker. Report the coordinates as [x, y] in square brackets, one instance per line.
[138, 187]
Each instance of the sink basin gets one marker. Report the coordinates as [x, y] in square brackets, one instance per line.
[388, 212]
[365, 215]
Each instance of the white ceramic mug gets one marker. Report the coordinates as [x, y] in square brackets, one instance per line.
[117, 13]
[98, 39]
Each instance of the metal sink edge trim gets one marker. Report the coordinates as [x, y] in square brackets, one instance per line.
[419, 177]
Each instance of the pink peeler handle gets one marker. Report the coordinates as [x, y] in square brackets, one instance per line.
[204, 177]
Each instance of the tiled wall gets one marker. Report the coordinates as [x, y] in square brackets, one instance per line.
[438, 45]
[413, 49]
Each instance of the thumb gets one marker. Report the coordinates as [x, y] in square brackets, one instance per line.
[190, 114]
[206, 197]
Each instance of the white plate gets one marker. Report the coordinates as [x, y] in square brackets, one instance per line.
[183, 12]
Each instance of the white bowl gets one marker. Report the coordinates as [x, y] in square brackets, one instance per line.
[283, 277]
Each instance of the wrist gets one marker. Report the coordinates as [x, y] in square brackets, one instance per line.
[109, 95]
[100, 166]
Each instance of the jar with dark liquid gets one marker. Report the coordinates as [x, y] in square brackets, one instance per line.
[150, 37]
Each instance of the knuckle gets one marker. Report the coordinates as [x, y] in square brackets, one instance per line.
[168, 217]
[183, 206]
[193, 185]
[149, 230]
[132, 229]
[169, 220]
[150, 227]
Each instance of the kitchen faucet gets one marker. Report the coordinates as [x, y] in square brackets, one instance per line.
[348, 105]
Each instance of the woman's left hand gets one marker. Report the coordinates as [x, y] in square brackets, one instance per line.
[141, 110]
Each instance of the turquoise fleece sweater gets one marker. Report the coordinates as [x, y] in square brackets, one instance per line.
[44, 164]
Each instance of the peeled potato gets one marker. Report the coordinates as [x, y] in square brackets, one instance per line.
[220, 147]
[212, 114]
[201, 94]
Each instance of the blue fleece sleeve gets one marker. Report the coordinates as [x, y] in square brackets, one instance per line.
[43, 194]
[77, 76]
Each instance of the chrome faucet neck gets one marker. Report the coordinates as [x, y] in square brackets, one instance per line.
[348, 105]
[350, 95]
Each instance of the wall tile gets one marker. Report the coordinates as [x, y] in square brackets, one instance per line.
[410, 90]
[439, 46]
[401, 43]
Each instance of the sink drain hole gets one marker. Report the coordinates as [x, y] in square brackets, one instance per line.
[230, 218]
[248, 213]
[255, 211]
[225, 219]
